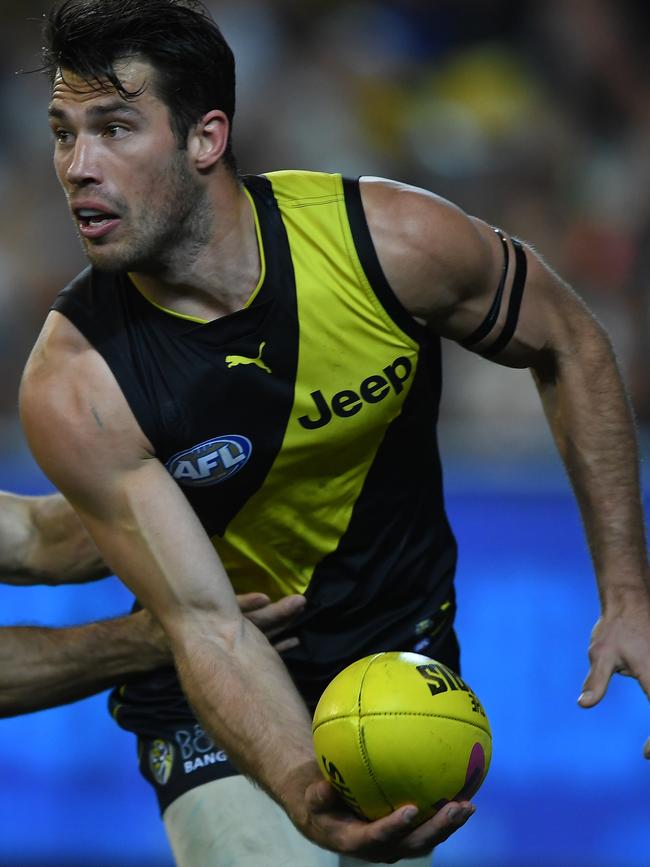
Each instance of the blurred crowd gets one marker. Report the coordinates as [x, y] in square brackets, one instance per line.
[532, 115]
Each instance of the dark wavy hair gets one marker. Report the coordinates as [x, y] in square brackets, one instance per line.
[194, 66]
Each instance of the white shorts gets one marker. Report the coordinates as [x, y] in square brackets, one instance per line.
[231, 823]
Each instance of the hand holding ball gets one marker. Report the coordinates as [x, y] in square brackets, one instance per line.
[400, 728]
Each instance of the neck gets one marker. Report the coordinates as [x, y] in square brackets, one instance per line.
[211, 276]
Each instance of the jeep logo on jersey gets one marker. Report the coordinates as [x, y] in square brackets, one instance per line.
[345, 403]
[210, 462]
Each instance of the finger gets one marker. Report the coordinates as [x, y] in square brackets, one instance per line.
[441, 826]
[322, 799]
[286, 644]
[372, 841]
[409, 842]
[277, 615]
[596, 682]
[400, 834]
[388, 839]
[321, 796]
[638, 674]
[645, 686]
[252, 601]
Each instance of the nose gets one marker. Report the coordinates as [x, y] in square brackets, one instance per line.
[83, 168]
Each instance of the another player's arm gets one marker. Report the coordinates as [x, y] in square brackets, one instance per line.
[42, 667]
[446, 268]
[86, 439]
[42, 541]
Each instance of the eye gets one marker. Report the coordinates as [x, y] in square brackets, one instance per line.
[115, 130]
[61, 136]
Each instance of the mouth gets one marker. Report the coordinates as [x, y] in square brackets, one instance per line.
[95, 223]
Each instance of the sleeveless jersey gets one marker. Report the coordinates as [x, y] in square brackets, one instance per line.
[302, 428]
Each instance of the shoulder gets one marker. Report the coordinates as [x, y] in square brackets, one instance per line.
[432, 253]
[62, 361]
[75, 417]
[59, 350]
[66, 376]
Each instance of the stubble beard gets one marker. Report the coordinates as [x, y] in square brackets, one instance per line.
[163, 241]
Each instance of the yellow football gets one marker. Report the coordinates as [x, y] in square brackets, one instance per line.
[400, 728]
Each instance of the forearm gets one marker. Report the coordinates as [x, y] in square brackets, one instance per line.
[589, 414]
[239, 687]
[41, 667]
[42, 541]
[141, 521]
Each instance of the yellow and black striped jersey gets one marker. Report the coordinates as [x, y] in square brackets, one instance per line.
[301, 428]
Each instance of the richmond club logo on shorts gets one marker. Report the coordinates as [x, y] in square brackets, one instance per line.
[210, 462]
[161, 760]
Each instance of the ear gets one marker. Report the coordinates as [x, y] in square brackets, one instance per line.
[208, 140]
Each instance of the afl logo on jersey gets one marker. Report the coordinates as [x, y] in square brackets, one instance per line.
[210, 462]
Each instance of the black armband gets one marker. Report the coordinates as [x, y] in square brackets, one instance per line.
[514, 304]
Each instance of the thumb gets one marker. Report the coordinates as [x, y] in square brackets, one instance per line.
[596, 683]
[320, 796]
[252, 601]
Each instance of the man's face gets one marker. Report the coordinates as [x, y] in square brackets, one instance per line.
[129, 187]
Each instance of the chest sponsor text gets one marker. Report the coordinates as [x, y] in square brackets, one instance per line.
[346, 403]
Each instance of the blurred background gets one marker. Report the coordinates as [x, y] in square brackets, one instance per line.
[532, 115]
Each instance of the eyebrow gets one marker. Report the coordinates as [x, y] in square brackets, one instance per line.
[97, 112]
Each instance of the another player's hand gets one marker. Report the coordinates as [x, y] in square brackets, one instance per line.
[620, 644]
[332, 825]
[272, 617]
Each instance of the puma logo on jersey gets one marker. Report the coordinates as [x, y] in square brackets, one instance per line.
[345, 403]
[234, 360]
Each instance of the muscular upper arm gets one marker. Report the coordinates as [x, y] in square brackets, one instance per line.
[85, 437]
[447, 268]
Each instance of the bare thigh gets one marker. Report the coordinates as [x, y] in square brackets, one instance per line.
[231, 823]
